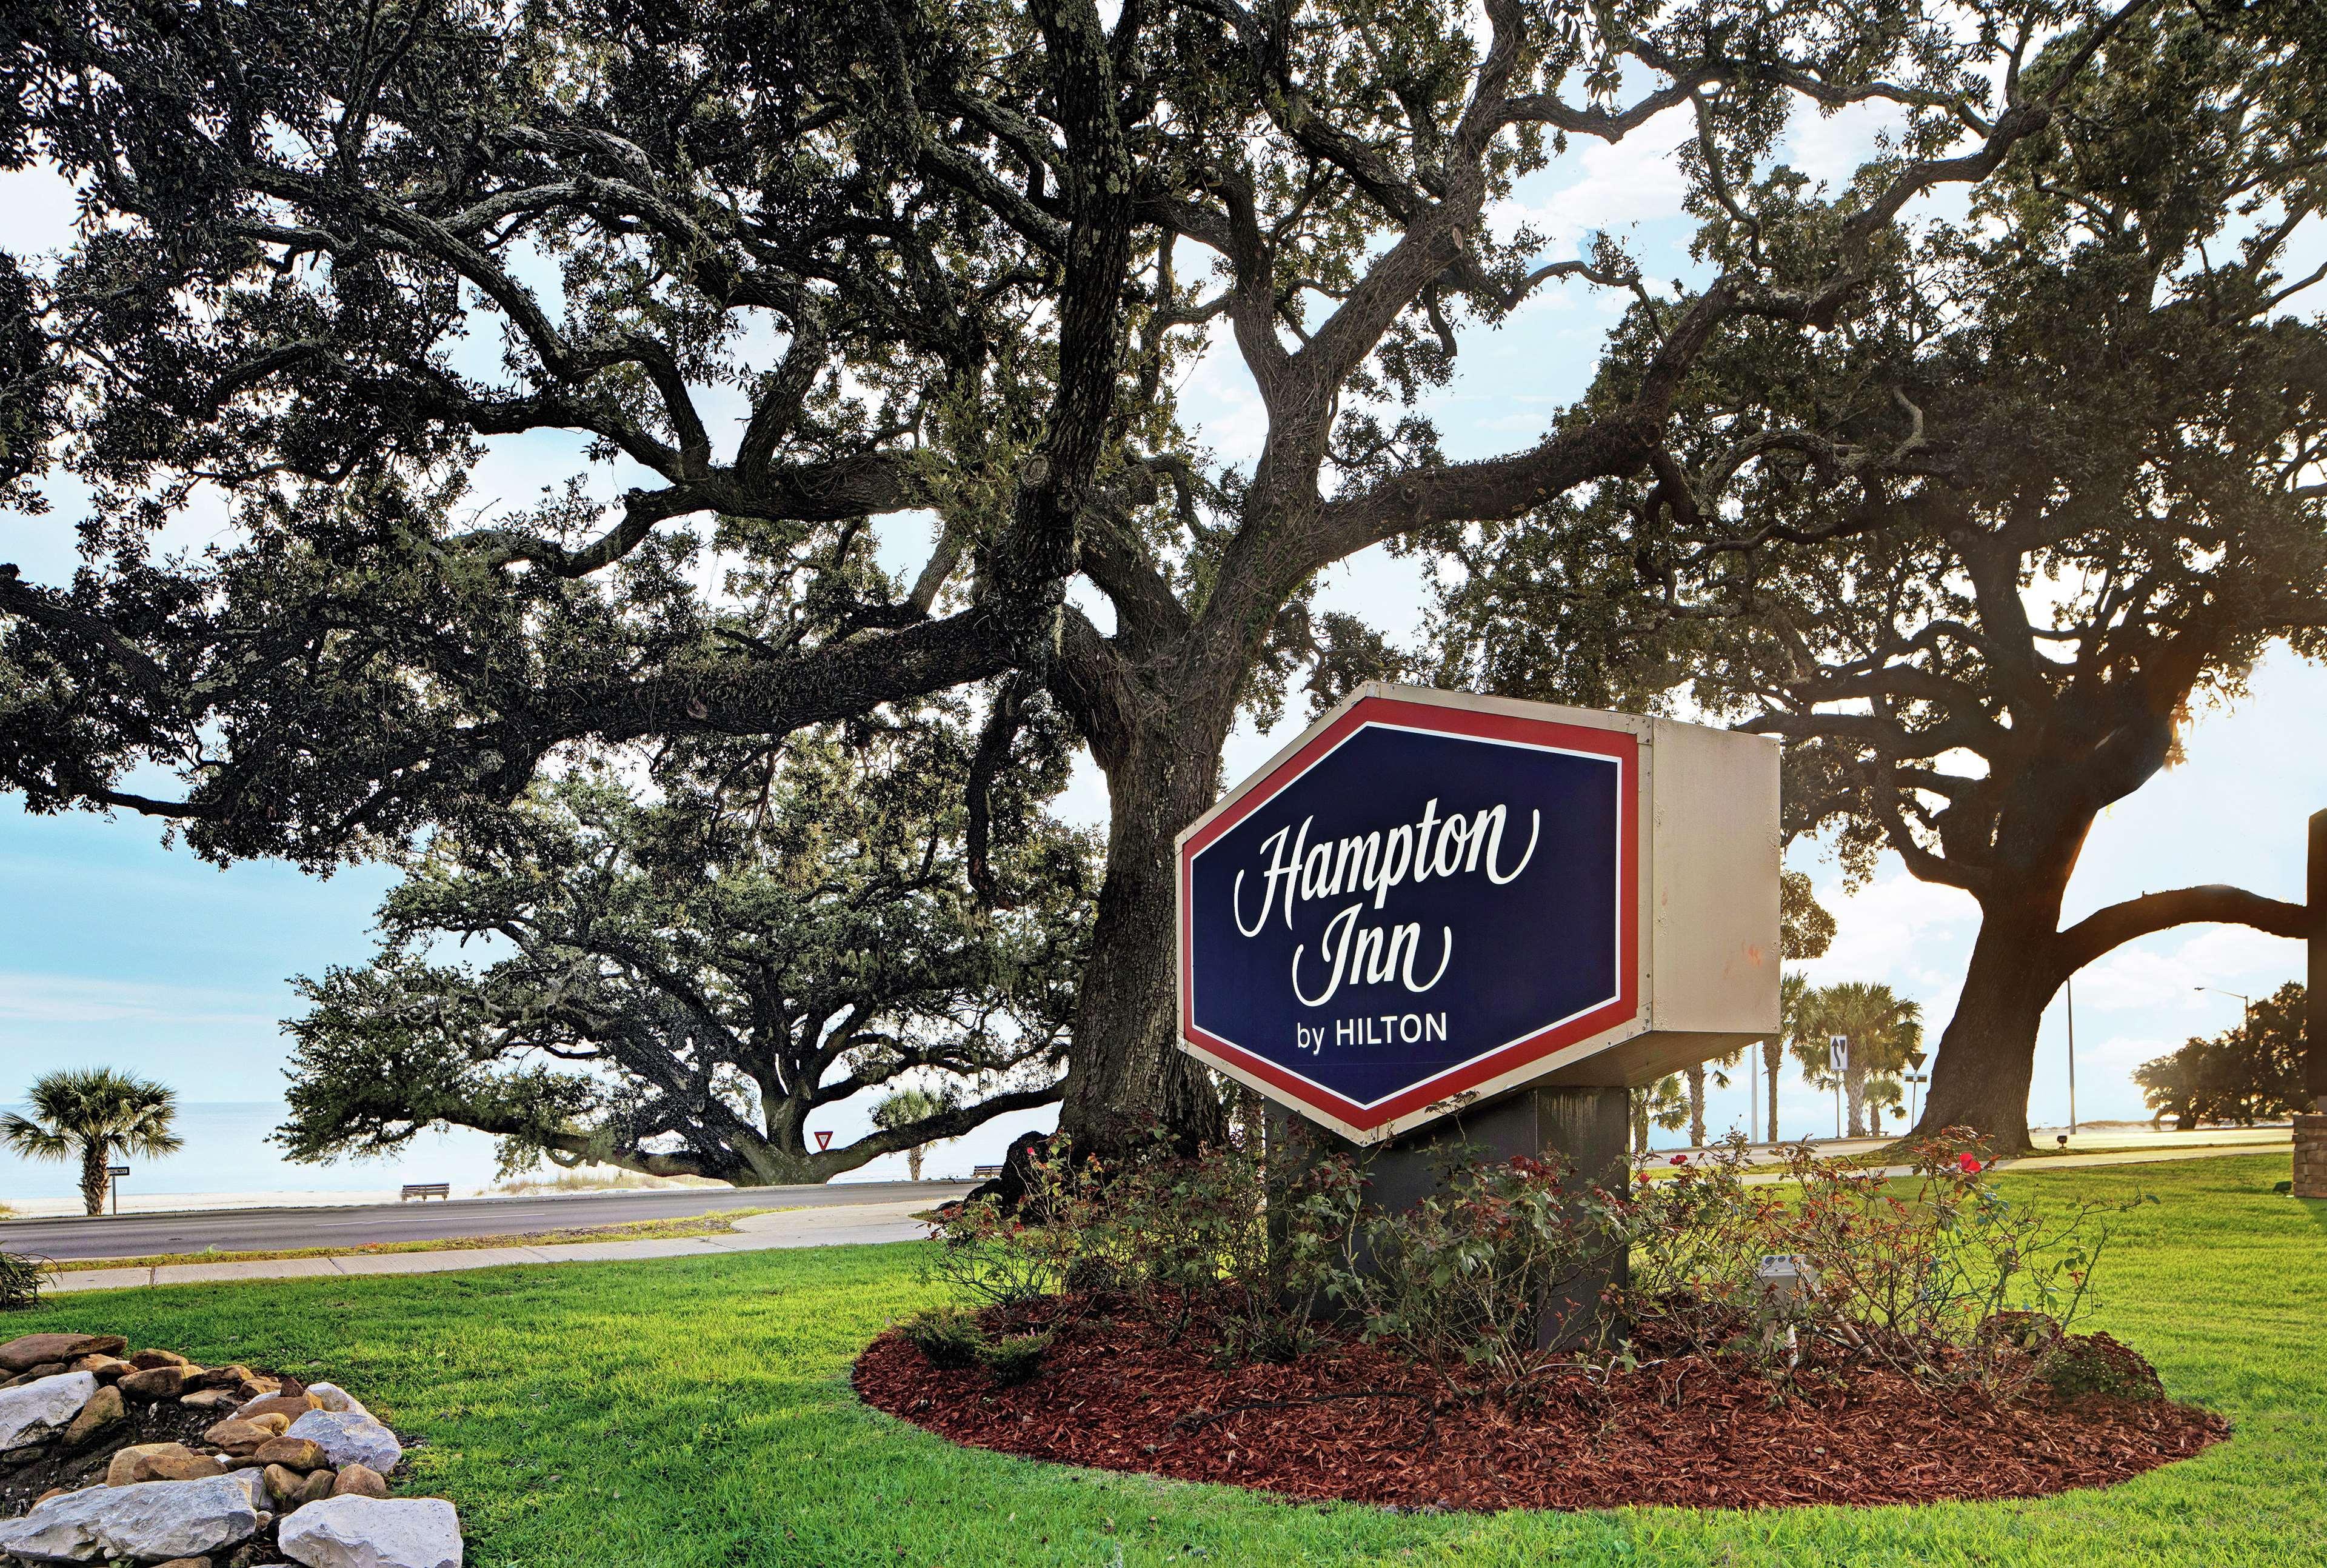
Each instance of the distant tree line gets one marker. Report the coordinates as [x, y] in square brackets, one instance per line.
[2245, 1075]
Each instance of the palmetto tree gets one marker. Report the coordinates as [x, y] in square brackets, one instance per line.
[903, 1109]
[1882, 1027]
[92, 1115]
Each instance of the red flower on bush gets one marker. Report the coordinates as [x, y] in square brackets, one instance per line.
[1680, 1159]
[1968, 1163]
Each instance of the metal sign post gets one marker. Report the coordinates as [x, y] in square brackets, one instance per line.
[114, 1173]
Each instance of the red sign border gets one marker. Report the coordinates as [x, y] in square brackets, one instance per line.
[1484, 725]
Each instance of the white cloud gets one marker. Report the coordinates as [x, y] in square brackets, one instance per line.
[1888, 927]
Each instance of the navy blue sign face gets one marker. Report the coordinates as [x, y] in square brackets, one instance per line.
[1419, 901]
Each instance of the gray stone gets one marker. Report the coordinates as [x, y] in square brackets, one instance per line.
[31, 1411]
[353, 1532]
[149, 1521]
[336, 1399]
[350, 1437]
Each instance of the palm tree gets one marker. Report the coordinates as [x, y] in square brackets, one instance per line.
[905, 1108]
[1882, 1027]
[1662, 1103]
[1791, 989]
[92, 1115]
[1718, 1068]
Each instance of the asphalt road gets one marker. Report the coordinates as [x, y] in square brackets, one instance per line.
[428, 1219]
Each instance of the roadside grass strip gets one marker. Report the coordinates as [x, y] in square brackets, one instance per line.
[694, 1413]
[720, 1222]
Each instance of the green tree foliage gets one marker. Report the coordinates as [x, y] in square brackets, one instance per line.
[793, 273]
[1975, 556]
[680, 984]
[2245, 1075]
[1882, 1027]
[1663, 1104]
[90, 1116]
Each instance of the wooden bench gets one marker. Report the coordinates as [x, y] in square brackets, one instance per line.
[424, 1190]
[984, 1172]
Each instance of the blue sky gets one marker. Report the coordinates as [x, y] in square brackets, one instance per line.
[115, 950]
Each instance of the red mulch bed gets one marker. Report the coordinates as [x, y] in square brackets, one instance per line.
[1354, 1422]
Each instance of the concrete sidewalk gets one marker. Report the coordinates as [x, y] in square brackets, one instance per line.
[854, 1225]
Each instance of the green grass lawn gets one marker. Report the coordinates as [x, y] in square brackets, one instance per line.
[685, 1413]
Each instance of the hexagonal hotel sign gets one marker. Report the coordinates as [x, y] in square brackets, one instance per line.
[1429, 898]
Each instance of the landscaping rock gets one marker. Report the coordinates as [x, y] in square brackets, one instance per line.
[157, 1519]
[185, 1563]
[291, 1406]
[245, 1433]
[347, 1437]
[97, 1418]
[330, 1396]
[154, 1383]
[145, 1361]
[299, 1453]
[211, 1398]
[47, 1369]
[356, 1532]
[283, 1486]
[321, 1484]
[173, 1462]
[125, 1460]
[32, 1412]
[359, 1480]
[104, 1368]
[32, 1350]
[235, 1376]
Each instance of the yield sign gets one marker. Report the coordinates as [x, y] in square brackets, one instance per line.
[823, 1141]
[1424, 895]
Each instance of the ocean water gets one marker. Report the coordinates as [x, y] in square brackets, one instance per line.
[226, 1151]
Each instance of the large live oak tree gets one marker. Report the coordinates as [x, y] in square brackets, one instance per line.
[945, 259]
[685, 986]
[1975, 556]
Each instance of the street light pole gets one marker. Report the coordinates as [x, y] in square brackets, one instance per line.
[2247, 1021]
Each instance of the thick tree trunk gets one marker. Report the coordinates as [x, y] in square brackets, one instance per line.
[1696, 1106]
[1853, 1094]
[1127, 1077]
[1988, 1057]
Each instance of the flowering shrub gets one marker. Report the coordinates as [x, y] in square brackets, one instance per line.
[1802, 1270]
[1915, 1280]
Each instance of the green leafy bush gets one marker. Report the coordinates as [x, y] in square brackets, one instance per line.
[1258, 1251]
[948, 1336]
[1013, 1358]
[2077, 1365]
[1472, 1273]
[20, 1278]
